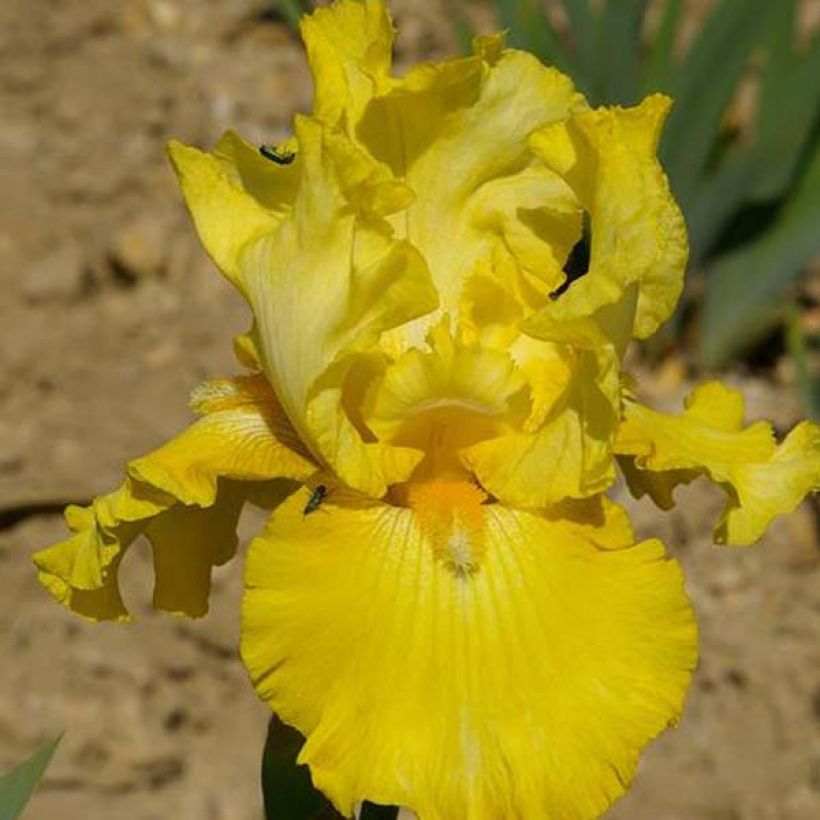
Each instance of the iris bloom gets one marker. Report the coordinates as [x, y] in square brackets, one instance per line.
[444, 601]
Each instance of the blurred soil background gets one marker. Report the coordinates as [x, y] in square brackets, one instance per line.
[111, 313]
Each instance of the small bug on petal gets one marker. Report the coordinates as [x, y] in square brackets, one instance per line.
[315, 500]
[281, 156]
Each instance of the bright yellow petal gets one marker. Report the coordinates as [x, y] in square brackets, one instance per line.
[569, 453]
[349, 45]
[243, 434]
[187, 542]
[234, 195]
[477, 185]
[761, 478]
[324, 288]
[444, 398]
[608, 157]
[523, 685]
[81, 572]
[184, 498]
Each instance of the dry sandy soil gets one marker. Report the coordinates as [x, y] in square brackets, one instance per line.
[111, 313]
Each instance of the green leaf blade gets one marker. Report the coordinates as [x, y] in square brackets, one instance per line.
[287, 789]
[18, 785]
[530, 29]
[744, 288]
[660, 58]
[584, 30]
[789, 112]
[619, 46]
[292, 11]
[703, 86]
[807, 384]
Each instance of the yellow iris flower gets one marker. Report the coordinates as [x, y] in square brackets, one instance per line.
[444, 602]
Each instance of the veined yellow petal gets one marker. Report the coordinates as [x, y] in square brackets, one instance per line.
[569, 452]
[184, 498]
[761, 478]
[476, 185]
[336, 268]
[80, 572]
[608, 156]
[523, 683]
[234, 196]
[449, 373]
[243, 434]
[349, 45]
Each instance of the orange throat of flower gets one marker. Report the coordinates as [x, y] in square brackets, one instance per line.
[451, 515]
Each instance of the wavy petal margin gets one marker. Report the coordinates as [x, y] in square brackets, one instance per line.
[523, 686]
[609, 158]
[762, 479]
[186, 498]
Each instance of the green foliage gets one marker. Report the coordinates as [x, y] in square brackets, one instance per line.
[17, 786]
[291, 10]
[745, 286]
[370, 811]
[807, 383]
[750, 199]
[286, 787]
[287, 790]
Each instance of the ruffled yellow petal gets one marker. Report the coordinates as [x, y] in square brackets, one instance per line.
[324, 288]
[608, 157]
[761, 478]
[185, 497]
[470, 663]
[477, 186]
[243, 434]
[234, 196]
[567, 452]
[444, 398]
[349, 45]
[80, 572]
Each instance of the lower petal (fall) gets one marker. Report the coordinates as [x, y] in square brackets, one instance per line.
[762, 479]
[185, 497]
[522, 685]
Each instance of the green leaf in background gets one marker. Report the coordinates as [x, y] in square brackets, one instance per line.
[530, 30]
[618, 45]
[584, 32]
[370, 811]
[807, 383]
[789, 105]
[704, 84]
[464, 32]
[286, 787]
[292, 10]
[744, 289]
[18, 785]
[764, 169]
[659, 64]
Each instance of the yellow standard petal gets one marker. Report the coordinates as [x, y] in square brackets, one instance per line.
[349, 45]
[234, 196]
[186, 498]
[761, 478]
[324, 288]
[479, 190]
[466, 660]
[442, 399]
[566, 451]
[638, 242]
